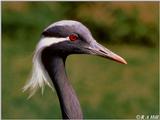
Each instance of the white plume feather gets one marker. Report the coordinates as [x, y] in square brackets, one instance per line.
[39, 76]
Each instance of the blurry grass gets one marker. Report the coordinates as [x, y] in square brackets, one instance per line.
[105, 89]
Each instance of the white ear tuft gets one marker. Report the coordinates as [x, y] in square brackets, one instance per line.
[39, 75]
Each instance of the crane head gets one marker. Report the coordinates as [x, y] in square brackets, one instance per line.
[71, 37]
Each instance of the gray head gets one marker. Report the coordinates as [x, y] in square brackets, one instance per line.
[72, 37]
[69, 37]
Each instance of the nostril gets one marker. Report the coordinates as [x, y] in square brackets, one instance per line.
[102, 51]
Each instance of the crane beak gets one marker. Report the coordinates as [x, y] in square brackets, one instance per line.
[97, 49]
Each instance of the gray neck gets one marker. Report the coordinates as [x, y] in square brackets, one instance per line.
[69, 103]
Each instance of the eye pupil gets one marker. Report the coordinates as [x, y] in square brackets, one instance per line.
[73, 37]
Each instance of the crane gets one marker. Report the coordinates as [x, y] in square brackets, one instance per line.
[57, 41]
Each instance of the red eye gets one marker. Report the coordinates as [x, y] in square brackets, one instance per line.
[73, 37]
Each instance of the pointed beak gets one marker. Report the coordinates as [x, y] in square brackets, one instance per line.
[99, 50]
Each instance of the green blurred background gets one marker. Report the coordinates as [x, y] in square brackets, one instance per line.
[105, 89]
